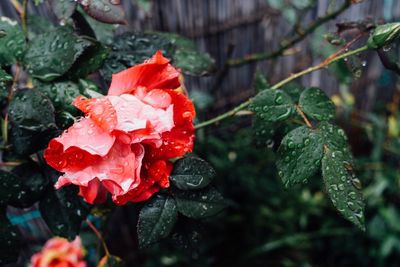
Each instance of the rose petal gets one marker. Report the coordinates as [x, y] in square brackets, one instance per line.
[81, 145]
[94, 193]
[100, 110]
[118, 171]
[153, 73]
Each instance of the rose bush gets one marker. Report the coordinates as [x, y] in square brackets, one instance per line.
[59, 252]
[126, 140]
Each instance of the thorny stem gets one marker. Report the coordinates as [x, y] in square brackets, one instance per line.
[302, 33]
[99, 236]
[278, 85]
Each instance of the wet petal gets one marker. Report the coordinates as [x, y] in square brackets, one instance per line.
[94, 193]
[155, 73]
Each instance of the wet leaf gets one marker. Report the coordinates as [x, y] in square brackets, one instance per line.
[4, 76]
[156, 219]
[129, 49]
[335, 139]
[260, 82]
[299, 155]
[272, 105]
[63, 211]
[192, 173]
[10, 188]
[33, 185]
[63, 9]
[198, 204]
[53, 53]
[343, 187]
[9, 240]
[12, 45]
[188, 57]
[108, 11]
[32, 121]
[316, 104]
[90, 61]
[263, 132]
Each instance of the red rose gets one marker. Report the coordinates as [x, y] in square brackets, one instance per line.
[124, 143]
[58, 252]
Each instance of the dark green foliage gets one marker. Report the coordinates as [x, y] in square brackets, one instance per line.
[32, 185]
[32, 121]
[10, 188]
[9, 240]
[52, 54]
[272, 105]
[199, 203]
[187, 57]
[343, 187]
[129, 49]
[299, 155]
[92, 59]
[156, 219]
[260, 82]
[63, 211]
[192, 173]
[316, 104]
[12, 45]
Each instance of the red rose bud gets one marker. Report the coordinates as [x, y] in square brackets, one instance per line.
[384, 35]
[59, 252]
[124, 143]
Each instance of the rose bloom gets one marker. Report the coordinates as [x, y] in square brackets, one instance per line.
[126, 140]
[59, 252]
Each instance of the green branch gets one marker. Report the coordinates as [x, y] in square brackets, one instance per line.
[280, 84]
[289, 43]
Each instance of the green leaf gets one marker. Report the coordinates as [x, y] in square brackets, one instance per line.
[63, 9]
[156, 219]
[384, 35]
[294, 90]
[61, 94]
[299, 155]
[343, 187]
[104, 11]
[335, 139]
[272, 105]
[12, 45]
[198, 204]
[192, 173]
[10, 188]
[187, 56]
[111, 261]
[33, 185]
[316, 104]
[4, 76]
[53, 53]
[260, 82]
[9, 240]
[90, 61]
[263, 132]
[63, 211]
[38, 25]
[129, 49]
[32, 121]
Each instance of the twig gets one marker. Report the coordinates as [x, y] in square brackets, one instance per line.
[301, 113]
[292, 77]
[99, 236]
[301, 34]
[24, 16]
